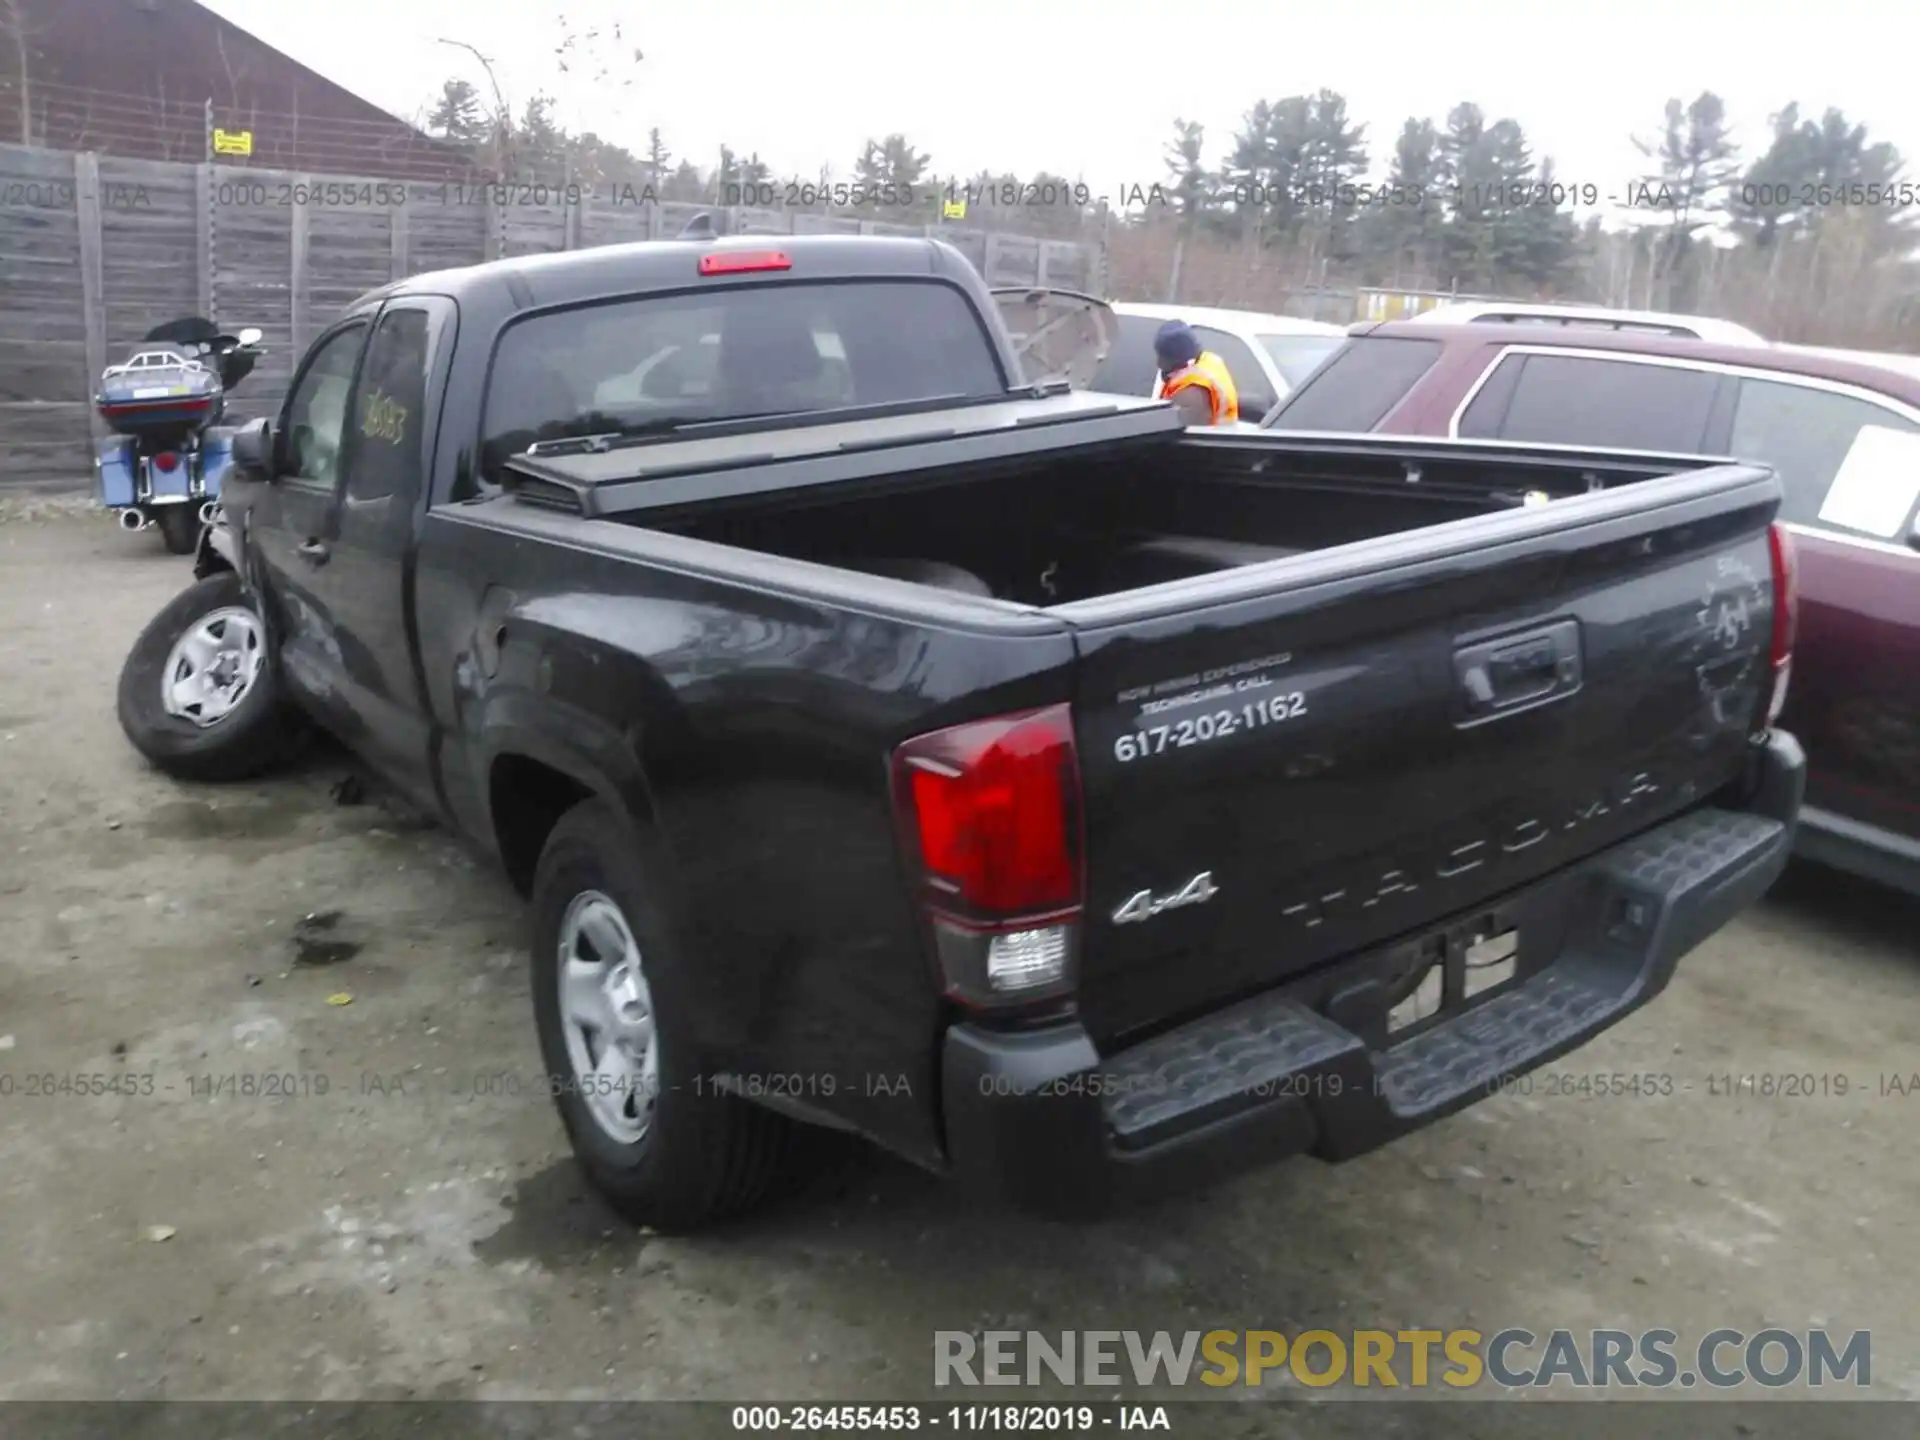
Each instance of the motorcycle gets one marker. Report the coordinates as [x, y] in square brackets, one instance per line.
[163, 465]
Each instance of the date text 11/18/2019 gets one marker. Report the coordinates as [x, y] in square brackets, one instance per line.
[1215, 725]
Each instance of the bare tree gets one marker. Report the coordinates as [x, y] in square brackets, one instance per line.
[600, 54]
[502, 126]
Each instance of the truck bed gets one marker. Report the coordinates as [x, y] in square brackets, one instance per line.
[1363, 686]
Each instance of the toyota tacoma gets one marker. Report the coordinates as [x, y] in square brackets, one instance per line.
[893, 738]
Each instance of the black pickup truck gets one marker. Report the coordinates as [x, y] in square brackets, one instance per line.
[1057, 796]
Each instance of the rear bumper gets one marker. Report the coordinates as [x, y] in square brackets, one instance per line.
[1041, 1119]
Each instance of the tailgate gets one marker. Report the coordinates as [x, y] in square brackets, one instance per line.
[1291, 762]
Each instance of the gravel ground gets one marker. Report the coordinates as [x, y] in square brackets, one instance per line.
[417, 1230]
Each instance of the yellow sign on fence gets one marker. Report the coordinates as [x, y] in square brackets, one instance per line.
[954, 210]
[233, 142]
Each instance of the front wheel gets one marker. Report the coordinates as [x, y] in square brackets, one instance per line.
[652, 1135]
[199, 695]
[179, 527]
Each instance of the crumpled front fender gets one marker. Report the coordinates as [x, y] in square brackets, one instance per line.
[216, 551]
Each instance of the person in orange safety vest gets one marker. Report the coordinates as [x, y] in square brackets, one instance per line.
[1194, 379]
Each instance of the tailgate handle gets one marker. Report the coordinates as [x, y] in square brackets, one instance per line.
[1498, 677]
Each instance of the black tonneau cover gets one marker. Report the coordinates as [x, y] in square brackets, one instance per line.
[751, 459]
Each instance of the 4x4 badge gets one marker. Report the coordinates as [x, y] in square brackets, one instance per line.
[1144, 905]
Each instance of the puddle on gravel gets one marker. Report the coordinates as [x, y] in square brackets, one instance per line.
[317, 940]
[556, 1221]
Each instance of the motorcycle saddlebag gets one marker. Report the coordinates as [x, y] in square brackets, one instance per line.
[114, 472]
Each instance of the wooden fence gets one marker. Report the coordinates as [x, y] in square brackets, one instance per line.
[96, 250]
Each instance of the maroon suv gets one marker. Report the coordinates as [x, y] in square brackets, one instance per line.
[1842, 433]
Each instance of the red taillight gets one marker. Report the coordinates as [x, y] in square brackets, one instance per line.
[738, 261]
[166, 462]
[995, 805]
[990, 813]
[1786, 615]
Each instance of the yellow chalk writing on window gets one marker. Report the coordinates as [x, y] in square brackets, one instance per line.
[383, 419]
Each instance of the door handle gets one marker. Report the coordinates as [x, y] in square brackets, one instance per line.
[1500, 676]
[314, 552]
[1524, 662]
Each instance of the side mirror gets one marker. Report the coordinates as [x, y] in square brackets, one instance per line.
[253, 450]
[251, 336]
[1913, 535]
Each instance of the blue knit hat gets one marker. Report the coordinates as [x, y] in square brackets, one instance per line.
[1175, 344]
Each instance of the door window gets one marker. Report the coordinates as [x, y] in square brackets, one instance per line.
[317, 410]
[1807, 436]
[1363, 382]
[1256, 393]
[1608, 404]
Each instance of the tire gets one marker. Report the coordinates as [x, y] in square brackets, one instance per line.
[259, 730]
[179, 527]
[701, 1155]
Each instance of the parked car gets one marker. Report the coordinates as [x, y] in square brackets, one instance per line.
[1063, 798]
[1842, 429]
[1590, 317]
[1267, 355]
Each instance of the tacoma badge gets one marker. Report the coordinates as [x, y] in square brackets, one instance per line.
[1144, 905]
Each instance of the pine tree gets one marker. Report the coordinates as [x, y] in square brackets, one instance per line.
[458, 114]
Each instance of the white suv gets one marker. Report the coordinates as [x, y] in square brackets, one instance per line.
[1267, 355]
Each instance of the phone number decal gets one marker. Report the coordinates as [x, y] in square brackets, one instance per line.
[1200, 729]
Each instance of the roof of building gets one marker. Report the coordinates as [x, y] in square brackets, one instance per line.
[134, 78]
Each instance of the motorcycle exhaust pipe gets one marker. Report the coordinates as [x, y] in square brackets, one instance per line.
[210, 513]
[131, 520]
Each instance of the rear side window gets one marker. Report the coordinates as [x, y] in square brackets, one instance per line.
[1358, 387]
[1805, 435]
[1608, 404]
[387, 447]
[1129, 368]
[1249, 380]
[727, 354]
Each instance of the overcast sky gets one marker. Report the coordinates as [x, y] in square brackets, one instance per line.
[1093, 90]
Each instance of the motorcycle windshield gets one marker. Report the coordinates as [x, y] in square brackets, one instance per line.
[187, 330]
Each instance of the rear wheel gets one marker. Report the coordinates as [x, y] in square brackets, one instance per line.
[199, 694]
[179, 527]
[651, 1133]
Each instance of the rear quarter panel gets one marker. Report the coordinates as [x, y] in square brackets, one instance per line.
[749, 725]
